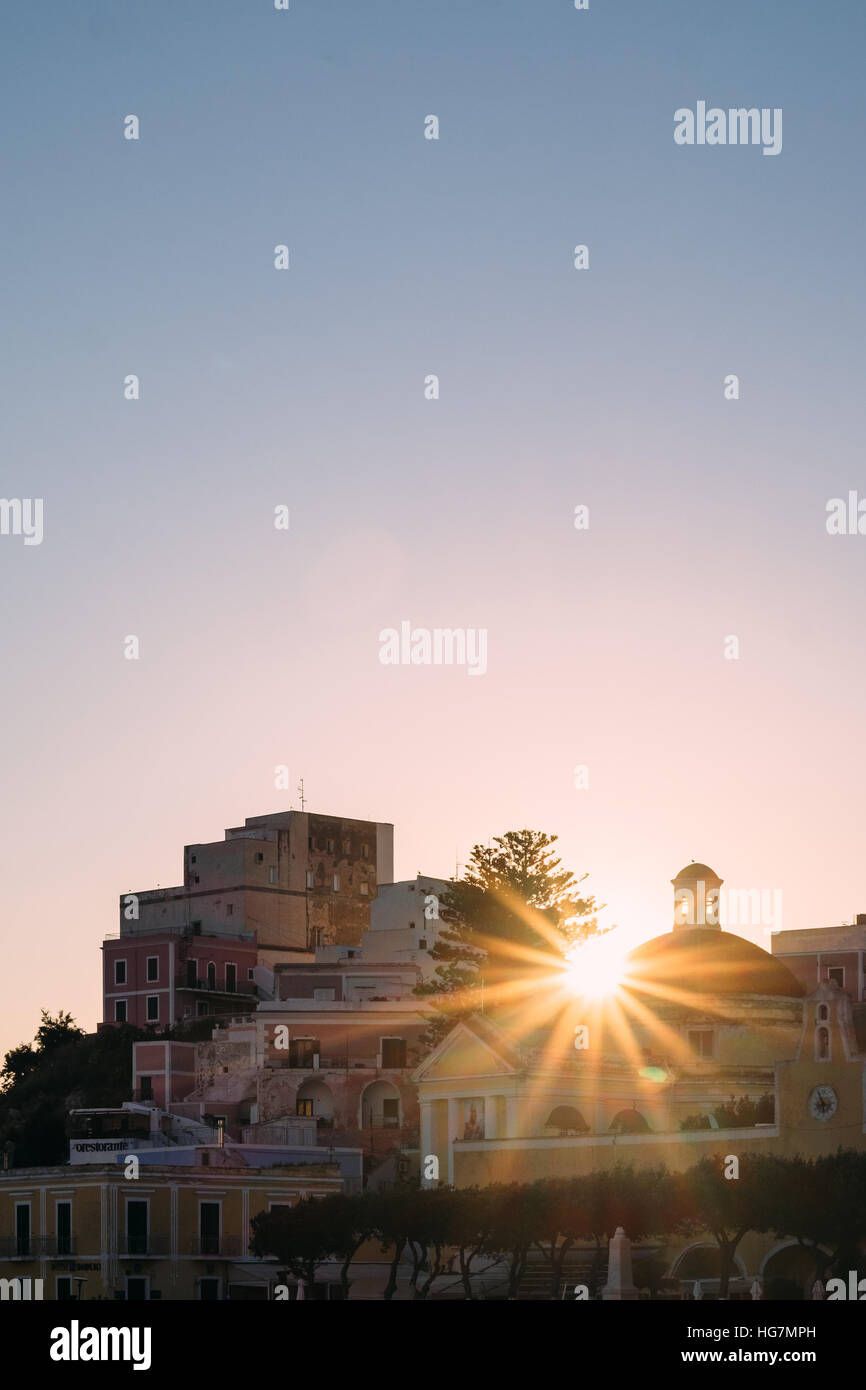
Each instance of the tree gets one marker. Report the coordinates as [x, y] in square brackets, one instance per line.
[738, 1113]
[472, 1220]
[63, 1069]
[348, 1220]
[516, 1224]
[731, 1206]
[513, 913]
[298, 1237]
[390, 1220]
[821, 1203]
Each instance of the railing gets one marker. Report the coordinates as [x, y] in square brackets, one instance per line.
[217, 1247]
[284, 1059]
[246, 989]
[37, 1247]
[143, 1245]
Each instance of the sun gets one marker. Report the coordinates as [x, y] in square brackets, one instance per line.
[595, 968]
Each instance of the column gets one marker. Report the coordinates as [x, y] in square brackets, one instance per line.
[491, 1117]
[453, 1133]
[426, 1139]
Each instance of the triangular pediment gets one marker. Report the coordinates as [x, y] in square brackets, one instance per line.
[465, 1053]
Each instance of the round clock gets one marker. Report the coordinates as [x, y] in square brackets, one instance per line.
[823, 1102]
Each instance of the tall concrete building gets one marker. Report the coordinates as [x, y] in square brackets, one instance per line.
[273, 889]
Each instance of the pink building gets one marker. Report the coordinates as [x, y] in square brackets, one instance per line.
[164, 978]
[827, 953]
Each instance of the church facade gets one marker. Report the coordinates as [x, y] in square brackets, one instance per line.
[701, 1022]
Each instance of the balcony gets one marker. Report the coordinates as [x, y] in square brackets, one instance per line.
[244, 989]
[222, 1247]
[134, 1246]
[38, 1247]
[305, 1063]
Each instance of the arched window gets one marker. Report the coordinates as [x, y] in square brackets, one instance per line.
[211, 975]
[823, 1012]
[567, 1120]
[629, 1122]
[822, 1045]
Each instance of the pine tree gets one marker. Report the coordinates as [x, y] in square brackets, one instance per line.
[511, 916]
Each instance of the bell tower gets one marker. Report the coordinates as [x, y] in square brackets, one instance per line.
[696, 897]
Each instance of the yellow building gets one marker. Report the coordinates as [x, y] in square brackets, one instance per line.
[699, 1019]
[173, 1233]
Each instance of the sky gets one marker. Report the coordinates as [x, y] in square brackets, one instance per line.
[608, 647]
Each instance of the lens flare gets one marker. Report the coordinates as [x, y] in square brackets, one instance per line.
[595, 967]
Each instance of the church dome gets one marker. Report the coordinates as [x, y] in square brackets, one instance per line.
[693, 872]
[706, 962]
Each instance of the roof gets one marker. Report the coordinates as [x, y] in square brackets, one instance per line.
[694, 871]
[708, 962]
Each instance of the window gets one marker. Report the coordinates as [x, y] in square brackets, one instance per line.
[209, 1227]
[250, 975]
[120, 972]
[120, 1010]
[230, 909]
[209, 1290]
[202, 1009]
[136, 1290]
[191, 974]
[272, 874]
[365, 851]
[302, 1051]
[22, 1228]
[310, 879]
[836, 973]
[364, 888]
[145, 1085]
[153, 967]
[64, 1228]
[822, 1045]
[152, 1008]
[324, 995]
[195, 878]
[231, 978]
[330, 846]
[391, 1114]
[304, 1107]
[336, 883]
[422, 944]
[260, 858]
[823, 1012]
[347, 846]
[63, 1288]
[192, 859]
[211, 975]
[136, 1227]
[393, 1052]
[703, 1043]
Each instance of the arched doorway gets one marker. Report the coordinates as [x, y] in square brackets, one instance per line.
[789, 1272]
[315, 1098]
[380, 1106]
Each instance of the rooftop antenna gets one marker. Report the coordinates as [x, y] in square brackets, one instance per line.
[301, 792]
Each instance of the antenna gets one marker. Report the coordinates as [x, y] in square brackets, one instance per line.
[301, 792]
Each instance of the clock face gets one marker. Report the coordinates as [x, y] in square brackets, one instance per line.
[823, 1102]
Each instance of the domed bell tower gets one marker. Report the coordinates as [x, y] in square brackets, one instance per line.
[696, 897]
